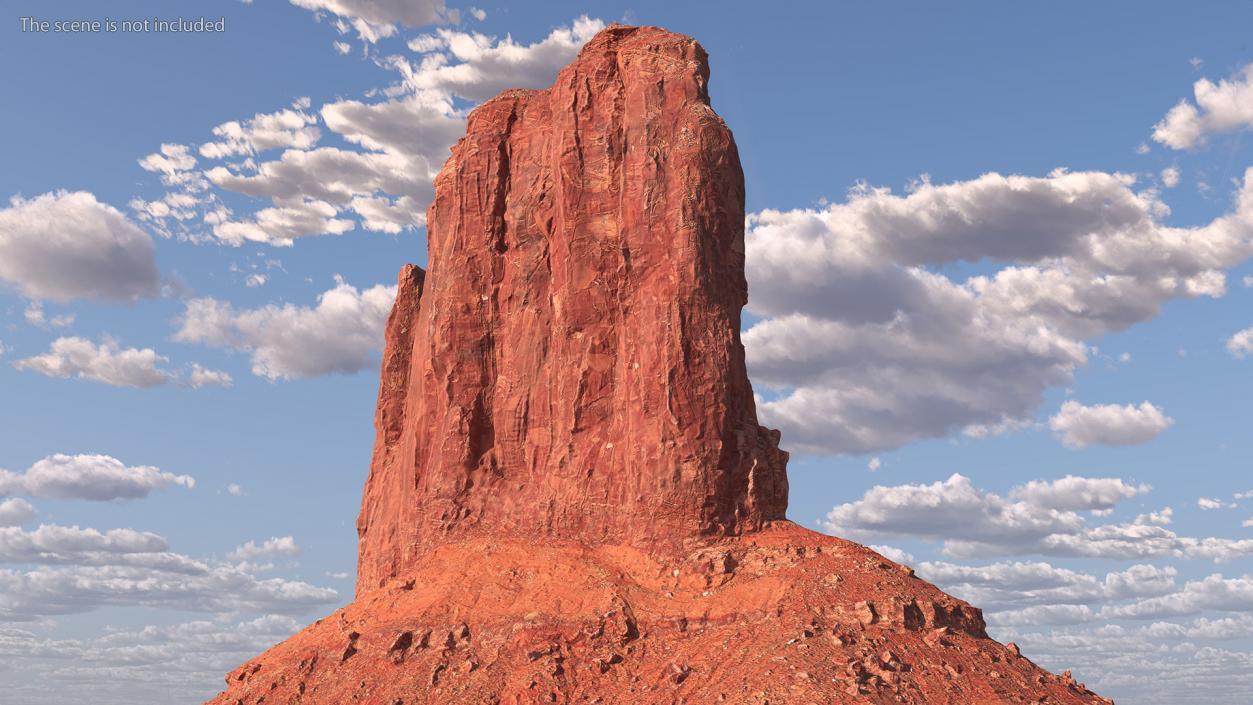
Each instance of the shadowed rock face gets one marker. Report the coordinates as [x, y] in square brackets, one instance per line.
[571, 500]
[572, 366]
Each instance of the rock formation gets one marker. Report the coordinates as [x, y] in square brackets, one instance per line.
[574, 363]
[571, 500]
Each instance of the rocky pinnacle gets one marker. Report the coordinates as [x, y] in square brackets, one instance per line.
[571, 367]
[571, 500]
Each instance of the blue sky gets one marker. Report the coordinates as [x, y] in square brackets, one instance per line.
[188, 357]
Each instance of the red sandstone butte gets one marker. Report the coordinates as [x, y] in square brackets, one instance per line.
[571, 500]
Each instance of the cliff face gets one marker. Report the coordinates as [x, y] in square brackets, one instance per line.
[574, 366]
[571, 500]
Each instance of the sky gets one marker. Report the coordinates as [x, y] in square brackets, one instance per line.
[999, 260]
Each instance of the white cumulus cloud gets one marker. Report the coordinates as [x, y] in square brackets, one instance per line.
[289, 128]
[1017, 586]
[1241, 344]
[893, 553]
[476, 67]
[383, 181]
[274, 546]
[69, 589]
[105, 362]
[340, 334]
[1208, 503]
[171, 161]
[1080, 426]
[199, 377]
[1072, 493]
[34, 315]
[376, 19]
[15, 512]
[55, 544]
[1036, 518]
[1214, 592]
[1226, 106]
[181, 662]
[64, 246]
[285, 222]
[93, 477]
[867, 347]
